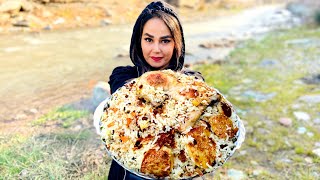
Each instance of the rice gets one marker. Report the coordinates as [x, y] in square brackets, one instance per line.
[140, 115]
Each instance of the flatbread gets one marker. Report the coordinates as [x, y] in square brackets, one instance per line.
[166, 124]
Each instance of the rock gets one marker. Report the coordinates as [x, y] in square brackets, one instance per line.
[23, 174]
[78, 18]
[315, 174]
[298, 82]
[100, 92]
[260, 30]
[78, 127]
[33, 111]
[299, 9]
[123, 55]
[286, 160]
[21, 23]
[262, 131]
[316, 121]
[287, 143]
[26, 6]
[175, 3]
[59, 21]
[249, 129]
[195, 4]
[296, 21]
[46, 14]
[301, 130]
[314, 79]
[311, 99]
[283, 13]
[235, 174]
[43, 1]
[317, 152]
[270, 142]
[296, 106]
[285, 121]
[10, 6]
[258, 96]
[20, 116]
[16, 29]
[255, 163]
[84, 104]
[257, 172]
[221, 43]
[48, 27]
[310, 134]
[107, 13]
[308, 160]
[243, 152]
[299, 42]
[246, 81]
[105, 22]
[302, 115]
[268, 62]
[281, 18]
[14, 6]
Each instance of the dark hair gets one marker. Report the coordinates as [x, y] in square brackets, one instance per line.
[166, 13]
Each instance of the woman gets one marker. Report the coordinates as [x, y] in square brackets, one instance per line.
[170, 40]
[157, 43]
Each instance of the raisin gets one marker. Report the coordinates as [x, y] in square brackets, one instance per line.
[195, 142]
[223, 146]
[182, 156]
[138, 144]
[226, 109]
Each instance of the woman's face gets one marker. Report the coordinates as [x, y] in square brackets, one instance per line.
[157, 43]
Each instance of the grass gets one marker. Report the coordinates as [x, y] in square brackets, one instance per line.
[66, 155]
[65, 115]
[270, 151]
[280, 151]
[64, 152]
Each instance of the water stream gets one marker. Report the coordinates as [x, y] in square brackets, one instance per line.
[47, 69]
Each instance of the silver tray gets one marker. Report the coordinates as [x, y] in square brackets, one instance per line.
[104, 104]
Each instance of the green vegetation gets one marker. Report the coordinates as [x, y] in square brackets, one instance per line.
[66, 155]
[270, 151]
[317, 16]
[64, 115]
[280, 151]
[64, 152]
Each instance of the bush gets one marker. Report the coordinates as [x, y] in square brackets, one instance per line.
[317, 16]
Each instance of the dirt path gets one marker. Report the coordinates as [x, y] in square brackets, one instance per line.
[41, 71]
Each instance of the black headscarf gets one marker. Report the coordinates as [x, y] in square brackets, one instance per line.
[155, 9]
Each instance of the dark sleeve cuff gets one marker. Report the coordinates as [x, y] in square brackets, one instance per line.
[120, 75]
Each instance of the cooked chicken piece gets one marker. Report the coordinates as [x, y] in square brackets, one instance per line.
[203, 149]
[158, 162]
[222, 126]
